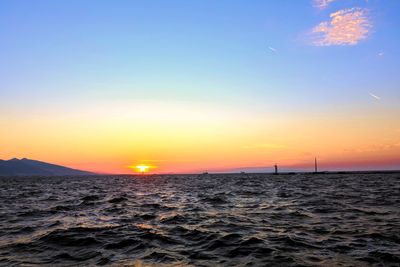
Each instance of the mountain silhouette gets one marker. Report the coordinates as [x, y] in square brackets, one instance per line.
[28, 167]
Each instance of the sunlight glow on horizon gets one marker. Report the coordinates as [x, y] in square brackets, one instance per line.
[141, 168]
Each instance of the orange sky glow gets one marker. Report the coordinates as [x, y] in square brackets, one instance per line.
[112, 139]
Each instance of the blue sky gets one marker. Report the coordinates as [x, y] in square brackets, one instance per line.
[256, 56]
[191, 50]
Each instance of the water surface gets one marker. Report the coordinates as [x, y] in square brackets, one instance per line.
[206, 220]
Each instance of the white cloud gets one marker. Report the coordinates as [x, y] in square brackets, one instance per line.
[345, 27]
[375, 96]
[321, 4]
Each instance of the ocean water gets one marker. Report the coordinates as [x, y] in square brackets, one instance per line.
[201, 220]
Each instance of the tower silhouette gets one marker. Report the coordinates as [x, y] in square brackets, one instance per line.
[315, 165]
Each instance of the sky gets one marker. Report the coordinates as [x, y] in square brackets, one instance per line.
[194, 86]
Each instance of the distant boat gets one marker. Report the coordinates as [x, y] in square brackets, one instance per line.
[205, 173]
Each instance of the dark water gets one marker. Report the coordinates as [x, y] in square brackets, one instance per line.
[211, 220]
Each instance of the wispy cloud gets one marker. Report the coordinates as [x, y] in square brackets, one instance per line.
[272, 49]
[321, 4]
[375, 96]
[345, 27]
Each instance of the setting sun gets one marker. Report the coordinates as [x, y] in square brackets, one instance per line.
[142, 168]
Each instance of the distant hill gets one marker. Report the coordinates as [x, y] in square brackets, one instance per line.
[28, 167]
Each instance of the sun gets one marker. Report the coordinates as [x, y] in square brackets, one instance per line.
[142, 168]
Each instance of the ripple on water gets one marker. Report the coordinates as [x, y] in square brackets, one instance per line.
[206, 220]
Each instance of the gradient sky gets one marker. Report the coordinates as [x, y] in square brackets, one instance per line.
[188, 86]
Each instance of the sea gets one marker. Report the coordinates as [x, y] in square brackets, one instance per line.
[348, 219]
